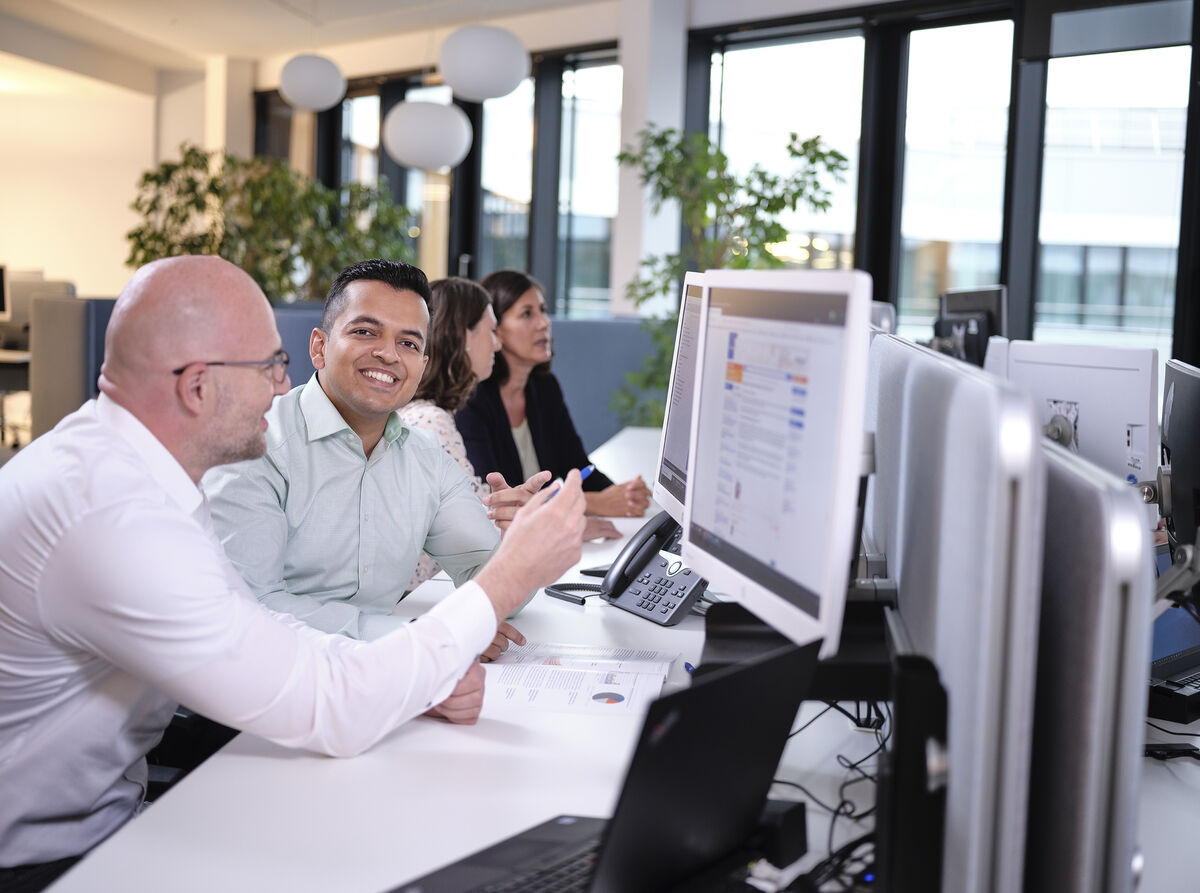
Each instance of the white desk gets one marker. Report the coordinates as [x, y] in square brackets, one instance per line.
[1169, 820]
[260, 817]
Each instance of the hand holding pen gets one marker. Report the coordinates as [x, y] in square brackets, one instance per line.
[557, 483]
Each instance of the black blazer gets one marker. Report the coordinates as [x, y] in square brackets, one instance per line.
[487, 435]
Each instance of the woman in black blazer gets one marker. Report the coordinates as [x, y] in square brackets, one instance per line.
[517, 419]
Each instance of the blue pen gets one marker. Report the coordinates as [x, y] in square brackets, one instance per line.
[583, 473]
[689, 668]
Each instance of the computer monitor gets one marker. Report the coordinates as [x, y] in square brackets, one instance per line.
[670, 485]
[5, 305]
[776, 444]
[22, 290]
[956, 506]
[1098, 402]
[1093, 650]
[1181, 450]
[968, 317]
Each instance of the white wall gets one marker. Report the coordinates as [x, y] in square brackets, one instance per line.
[69, 166]
[180, 112]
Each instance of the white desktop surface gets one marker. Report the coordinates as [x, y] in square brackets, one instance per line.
[1169, 820]
[260, 817]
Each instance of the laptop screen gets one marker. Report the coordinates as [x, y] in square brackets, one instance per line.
[1176, 632]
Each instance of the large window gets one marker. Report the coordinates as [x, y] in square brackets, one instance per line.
[507, 180]
[360, 139]
[587, 191]
[955, 136]
[1112, 177]
[761, 94]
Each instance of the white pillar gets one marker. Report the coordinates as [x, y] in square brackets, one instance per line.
[229, 105]
[653, 56]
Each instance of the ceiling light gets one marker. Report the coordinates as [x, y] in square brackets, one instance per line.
[426, 135]
[311, 83]
[482, 62]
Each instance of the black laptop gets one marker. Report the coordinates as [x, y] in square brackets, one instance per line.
[693, 794]
[1174, 659]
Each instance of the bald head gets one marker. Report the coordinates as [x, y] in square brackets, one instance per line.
[182, 352]
[175, 311]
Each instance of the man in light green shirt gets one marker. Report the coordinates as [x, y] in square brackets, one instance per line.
[329, 524]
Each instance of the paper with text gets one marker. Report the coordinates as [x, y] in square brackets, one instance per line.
[567, 689]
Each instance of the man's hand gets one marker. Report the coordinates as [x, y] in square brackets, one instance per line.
[599, 529]
[630, 499]
[502, 503]
[545, 539]
[465, 701]
[505, 634]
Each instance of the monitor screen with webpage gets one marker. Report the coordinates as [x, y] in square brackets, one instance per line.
[671, 484]
[776, 444]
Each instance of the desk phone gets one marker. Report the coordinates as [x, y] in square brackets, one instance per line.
[645, 580]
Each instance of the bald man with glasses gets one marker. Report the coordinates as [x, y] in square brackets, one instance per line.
[117, 602]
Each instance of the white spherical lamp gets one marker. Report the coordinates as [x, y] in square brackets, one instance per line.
[311, 83]
[426, 135]
[482, 62]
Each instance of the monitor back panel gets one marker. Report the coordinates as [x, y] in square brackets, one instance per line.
[1093, 650]
[956, 507]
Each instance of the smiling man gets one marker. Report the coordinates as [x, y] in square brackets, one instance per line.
[329, 524]
[116, 603]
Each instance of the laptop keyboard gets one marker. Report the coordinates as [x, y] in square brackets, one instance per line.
[571, 873]
[1193, 679]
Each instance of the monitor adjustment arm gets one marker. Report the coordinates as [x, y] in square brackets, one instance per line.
[1176, 584]
[1158, 491]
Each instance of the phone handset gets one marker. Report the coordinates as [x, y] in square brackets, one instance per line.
[643, 579]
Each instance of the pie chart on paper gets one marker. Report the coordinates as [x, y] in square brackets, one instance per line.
[608, 697]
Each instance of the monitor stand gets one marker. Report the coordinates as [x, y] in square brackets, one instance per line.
[875, 662]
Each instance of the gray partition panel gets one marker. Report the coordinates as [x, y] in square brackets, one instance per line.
[591, 357]
[61, 379]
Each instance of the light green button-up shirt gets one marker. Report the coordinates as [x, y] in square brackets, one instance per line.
[320, 531]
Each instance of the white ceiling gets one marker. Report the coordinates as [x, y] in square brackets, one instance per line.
[180, 33]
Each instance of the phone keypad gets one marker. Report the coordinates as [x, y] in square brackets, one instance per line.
[659, 595]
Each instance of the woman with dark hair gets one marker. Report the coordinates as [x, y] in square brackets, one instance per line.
[517, 420]
[461, 349]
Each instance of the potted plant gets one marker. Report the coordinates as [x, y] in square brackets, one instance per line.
[289, 232]
[731, 219]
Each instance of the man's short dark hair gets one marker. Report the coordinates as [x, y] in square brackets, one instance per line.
[400, 276]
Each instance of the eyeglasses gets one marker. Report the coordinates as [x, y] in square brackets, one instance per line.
[278, 365]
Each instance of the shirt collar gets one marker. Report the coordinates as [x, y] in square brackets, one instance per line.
[163, 467]
[321, 417]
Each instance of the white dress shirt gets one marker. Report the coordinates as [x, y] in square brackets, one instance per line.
[116, 602]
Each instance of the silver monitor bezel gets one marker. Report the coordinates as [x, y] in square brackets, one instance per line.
[789, 619]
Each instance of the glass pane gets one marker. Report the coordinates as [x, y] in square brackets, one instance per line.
[1111, 188]
[817, 90]
[587, 191]
[428, 196]
[507, 179]
[955, 137]
[360, 139]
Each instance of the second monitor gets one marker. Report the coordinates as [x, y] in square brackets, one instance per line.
[776, 444]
